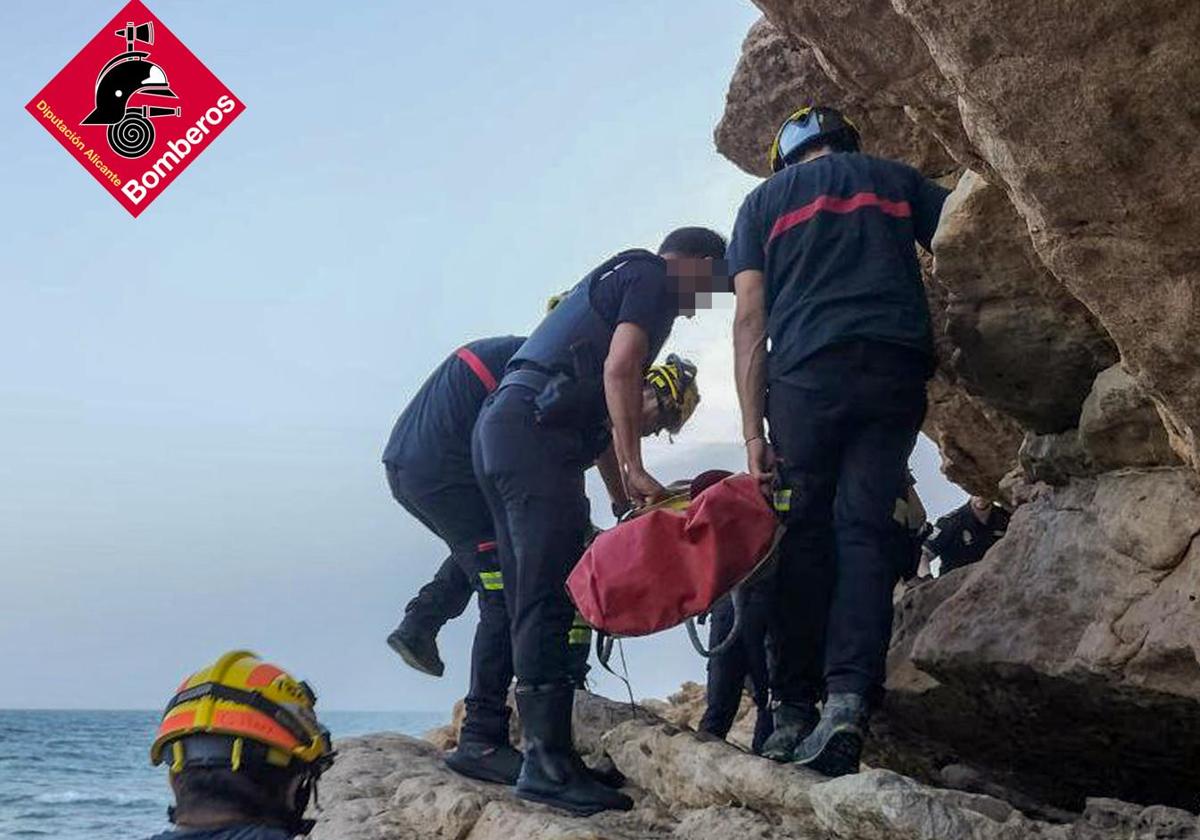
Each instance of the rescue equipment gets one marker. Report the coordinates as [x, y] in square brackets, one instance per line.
[671, 561]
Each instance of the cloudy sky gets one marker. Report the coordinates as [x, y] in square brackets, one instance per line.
[192, 404]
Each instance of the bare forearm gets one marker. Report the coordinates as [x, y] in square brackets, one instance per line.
[623, 393]
[610, 473]
[749, 359]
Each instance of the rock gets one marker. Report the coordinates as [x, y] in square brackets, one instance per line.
[1020, 341]
[686, 708]
[774, 77]
[1120, 427]
[1067, 662]
[1055, 458]
[1089, 118]
[882, 805]
[869, 51]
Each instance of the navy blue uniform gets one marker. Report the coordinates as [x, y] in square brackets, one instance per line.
[237, 832]
[531, 452]
[428, 470]
[743, 661]
[960, 539]
[850, 352]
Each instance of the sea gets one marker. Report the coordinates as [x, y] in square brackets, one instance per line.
[77, 775]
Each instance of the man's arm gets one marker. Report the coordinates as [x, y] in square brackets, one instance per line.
[749, 362]
[610, 472]
[927, 210]
[623, 393]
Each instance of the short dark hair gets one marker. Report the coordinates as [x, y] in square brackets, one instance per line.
[257, 795]
[694, 242]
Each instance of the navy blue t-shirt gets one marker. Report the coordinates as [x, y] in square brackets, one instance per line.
[638, 292]
[433, 435]
[835, 238]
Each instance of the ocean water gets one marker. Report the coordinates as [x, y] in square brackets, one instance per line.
[67, 775]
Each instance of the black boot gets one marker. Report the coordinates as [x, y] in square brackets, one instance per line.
[793, 723]
[835, 746]
[485, 761]
[553, 773]
[417, 646]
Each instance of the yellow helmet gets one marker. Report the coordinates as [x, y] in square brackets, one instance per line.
[674, 384]
[265, 714]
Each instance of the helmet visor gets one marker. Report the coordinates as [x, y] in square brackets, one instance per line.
[796, 132]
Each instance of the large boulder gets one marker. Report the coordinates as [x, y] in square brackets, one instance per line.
[775, 76]
[1088, 116]
[1067, 662]
[1021, 342]
[1119, 425]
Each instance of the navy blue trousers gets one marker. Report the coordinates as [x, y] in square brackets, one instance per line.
[843, 425]
[744, 661]
[459, 515]
[532, 478]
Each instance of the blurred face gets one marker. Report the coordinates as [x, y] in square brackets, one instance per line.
[654, 419]
[694, 280]
[981, 503]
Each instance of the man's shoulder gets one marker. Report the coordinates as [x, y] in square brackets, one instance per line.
[955, 516]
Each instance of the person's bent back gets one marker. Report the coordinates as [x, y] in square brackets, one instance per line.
[244, 751]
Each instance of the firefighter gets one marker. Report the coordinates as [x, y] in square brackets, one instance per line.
[578, 377]
[825, 267]
[244, 749]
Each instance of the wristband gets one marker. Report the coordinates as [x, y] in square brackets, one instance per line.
[752, 439]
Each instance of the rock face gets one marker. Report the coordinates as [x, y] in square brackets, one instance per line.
[391, 787]
[1065, 292]
[1067, 664]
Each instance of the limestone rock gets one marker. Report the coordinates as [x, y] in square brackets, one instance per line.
[1119, 425]
[1070, 657]
[1055, 458]
[774, 77]
[1087, 114]
[870, 51]
[1020, 341]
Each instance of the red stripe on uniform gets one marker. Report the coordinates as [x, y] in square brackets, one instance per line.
[832, 204]
[478, 368]
[486, 546]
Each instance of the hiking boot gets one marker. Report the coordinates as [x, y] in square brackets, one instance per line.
[486, 762]
[417, 646]
[793, 723]
[553, 774]
[835, 746]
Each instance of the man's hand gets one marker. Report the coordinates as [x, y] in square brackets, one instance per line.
[760, 463]
[642, 487]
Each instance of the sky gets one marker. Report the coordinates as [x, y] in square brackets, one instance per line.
[193, 403]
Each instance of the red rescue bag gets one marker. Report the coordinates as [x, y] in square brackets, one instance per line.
[674, 561]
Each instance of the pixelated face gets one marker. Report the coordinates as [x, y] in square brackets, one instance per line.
[694, 280]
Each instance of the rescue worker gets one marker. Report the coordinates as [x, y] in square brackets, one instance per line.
[964, 535]
[244, 750]
[742, 665]
[580, 373]
[825, 267]
[428, 466]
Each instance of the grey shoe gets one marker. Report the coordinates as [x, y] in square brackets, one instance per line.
[793, 723]
[835, 746]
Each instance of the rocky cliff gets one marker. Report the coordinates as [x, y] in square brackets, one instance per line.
[1064, 288]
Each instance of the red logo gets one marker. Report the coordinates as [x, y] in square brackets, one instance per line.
[135, 107]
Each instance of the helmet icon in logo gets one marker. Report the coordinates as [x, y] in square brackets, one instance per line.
[130, 132]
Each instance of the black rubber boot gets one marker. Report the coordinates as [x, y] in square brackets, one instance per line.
[417, 646]
[553, 773]
[606, 773]
[835, 746]
[487, 762]
[793, 723]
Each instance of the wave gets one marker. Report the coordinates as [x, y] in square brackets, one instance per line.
[75, 797]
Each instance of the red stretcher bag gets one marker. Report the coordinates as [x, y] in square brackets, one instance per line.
[673, 561]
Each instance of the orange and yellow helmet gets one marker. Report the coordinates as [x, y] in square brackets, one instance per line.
[263, 713]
